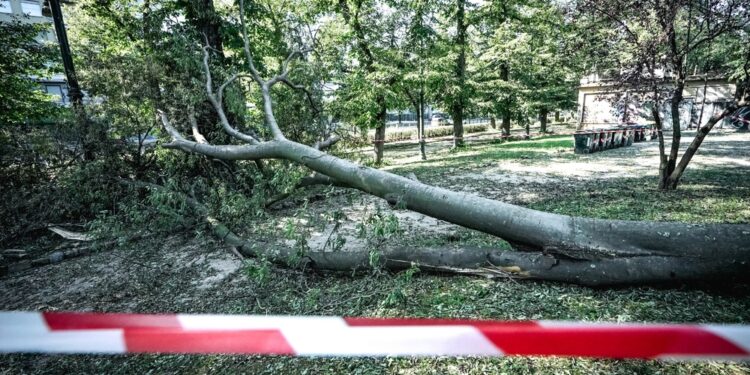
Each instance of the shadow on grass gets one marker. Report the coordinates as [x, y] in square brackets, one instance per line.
[706, 195]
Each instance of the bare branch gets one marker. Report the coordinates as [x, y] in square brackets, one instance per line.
[176, 136]
[218, 105]
[268, 110]
[282, 76]
[324, 144]
[265, 150]
[194, 126]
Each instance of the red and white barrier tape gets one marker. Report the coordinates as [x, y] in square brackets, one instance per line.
[56, 332]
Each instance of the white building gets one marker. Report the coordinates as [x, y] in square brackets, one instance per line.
[603, 103]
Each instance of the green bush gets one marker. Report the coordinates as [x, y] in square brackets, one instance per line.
[433, 132]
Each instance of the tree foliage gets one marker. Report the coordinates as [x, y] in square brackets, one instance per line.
[24, 59]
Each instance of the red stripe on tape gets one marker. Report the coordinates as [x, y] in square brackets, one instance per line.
[380, 322]
[228, 342]
[610, 342]
[69, 321]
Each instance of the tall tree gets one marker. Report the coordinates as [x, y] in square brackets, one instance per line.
[654, 40]
[458, 104]
[365, 22]
[417, 74]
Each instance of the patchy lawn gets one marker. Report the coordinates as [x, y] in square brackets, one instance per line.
[193, 274]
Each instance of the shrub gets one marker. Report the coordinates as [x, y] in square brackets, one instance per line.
[432, 132]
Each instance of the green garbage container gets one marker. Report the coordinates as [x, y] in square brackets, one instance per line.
[584, 142]
[638, 133]
[629, 136]
[617, 137]
[595, 142]
[603, 140]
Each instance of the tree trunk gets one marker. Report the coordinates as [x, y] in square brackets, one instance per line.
[677, 65]
[493, 125]
[504, 75]
[557, 116]
[506, 123]
[457, 108]
[379, 141]
[543, 120]
[703, 131]
[663, 161]
[420, 109]
[573, 249]
[202, 14]
[458, 126]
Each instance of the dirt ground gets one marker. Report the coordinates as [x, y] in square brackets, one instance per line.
[190, 273]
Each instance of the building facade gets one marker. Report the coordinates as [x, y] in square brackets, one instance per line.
[34, 11]
[603, 103]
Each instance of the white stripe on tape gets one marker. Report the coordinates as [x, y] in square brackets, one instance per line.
[80, 341]
[27, 322]
[377, 341]
[237, 322]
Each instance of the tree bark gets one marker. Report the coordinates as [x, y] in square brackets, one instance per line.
[557, 116]
[504, 75]
[703, 131]
[543, 120]
[202, 14]
[663, 161]
[420, 124]
[379, 142]
[676, 130]
[645, 244]
[457, 107]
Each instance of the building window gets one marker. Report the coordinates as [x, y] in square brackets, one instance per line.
[31, 8]
[5, 6]
[59, 93]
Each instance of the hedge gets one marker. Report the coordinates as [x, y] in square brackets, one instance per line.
[432, 132]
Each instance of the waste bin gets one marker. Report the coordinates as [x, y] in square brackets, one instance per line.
[638, 129]
[603, 142]
[617, 137]
[584, 142]
[629, 135]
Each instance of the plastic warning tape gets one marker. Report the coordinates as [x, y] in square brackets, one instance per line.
[58, 332]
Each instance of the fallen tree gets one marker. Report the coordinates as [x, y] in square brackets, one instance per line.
[555, 247]
[481, 261]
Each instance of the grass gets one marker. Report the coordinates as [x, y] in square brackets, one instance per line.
[720, 195]
[153, 281]
[478, 155]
